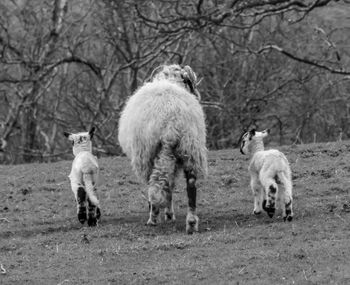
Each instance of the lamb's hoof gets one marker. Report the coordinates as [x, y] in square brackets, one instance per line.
[82, 215]
[192, 222]
[92, 221]
[81, 200]
[270, 212]
[264, 205]
[98, 213]
[93, 216]
[270, 209]
[81, 219]
[288, 218]
[169, 217]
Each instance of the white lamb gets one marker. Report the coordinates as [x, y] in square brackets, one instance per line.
[162, 130]
[84, 177]
[268, 168]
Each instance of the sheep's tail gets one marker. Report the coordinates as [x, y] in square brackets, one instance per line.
[89, 183]
[194, 154]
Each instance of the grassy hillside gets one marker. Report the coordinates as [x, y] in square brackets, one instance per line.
[42, 242]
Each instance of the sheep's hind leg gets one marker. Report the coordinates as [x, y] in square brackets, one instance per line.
[169, 211]
[169, 214]
[155, 199]
[161, 185]
[153, 214]
[192, 219]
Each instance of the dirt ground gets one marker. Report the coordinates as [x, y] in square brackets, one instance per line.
[42, 241]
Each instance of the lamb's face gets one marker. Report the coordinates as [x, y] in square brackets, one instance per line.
[250, 137]
[81, 140]
[184, 76]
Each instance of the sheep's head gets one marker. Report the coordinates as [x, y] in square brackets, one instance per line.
[81, 141]
[249, 137]
[184, 75]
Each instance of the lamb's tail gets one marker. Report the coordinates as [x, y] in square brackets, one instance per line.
[284, 178]
[89, 183]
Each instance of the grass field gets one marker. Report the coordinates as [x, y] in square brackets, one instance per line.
[42, 242]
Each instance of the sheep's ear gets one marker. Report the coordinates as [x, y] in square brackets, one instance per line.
[68, 135]
[155, 72]
[91, 132]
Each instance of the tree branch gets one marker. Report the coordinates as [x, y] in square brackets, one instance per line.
[305, 60]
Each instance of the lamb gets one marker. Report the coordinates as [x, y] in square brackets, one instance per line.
[268, 168]
[162, 130]
[84, 177]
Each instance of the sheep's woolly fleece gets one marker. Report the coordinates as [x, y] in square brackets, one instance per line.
[163, 112]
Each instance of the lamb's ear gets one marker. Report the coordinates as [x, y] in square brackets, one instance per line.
[252, 132]
[68, 135]
[91, 132]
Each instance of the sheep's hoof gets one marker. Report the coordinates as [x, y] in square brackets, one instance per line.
[192, 222]
[151, 222]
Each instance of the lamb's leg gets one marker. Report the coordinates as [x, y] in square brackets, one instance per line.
[191, 219]
[94, 213]
[258, 194]
[286, 199]
[271, 189]
[95, 183]
[161, 185]
[80, 198]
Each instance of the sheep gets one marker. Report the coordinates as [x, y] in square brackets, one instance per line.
[84, 177]
[268, 168]
[162, 130]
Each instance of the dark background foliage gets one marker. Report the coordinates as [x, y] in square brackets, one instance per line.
[68, 65]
